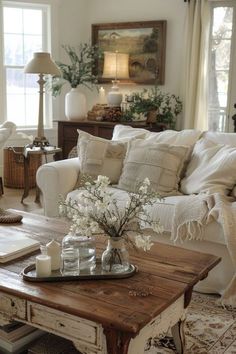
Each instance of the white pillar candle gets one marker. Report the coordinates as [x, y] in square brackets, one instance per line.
[54, 251]
[43, 265]
[102, 96]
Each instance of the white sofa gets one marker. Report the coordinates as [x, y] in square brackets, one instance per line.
[60, 178]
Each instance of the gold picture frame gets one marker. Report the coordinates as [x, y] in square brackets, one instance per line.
[145, 42]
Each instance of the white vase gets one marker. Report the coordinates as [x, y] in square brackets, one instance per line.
[75, 105]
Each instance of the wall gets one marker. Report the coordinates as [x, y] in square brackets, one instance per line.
[82, 13]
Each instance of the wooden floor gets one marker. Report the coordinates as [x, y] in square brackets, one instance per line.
[12, 199]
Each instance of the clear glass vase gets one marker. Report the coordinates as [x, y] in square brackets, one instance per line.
[115, 258]
[86, 248]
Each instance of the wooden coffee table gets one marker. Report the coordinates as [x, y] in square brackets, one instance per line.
[104, 316]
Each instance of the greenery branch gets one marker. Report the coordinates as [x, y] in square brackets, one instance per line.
[79, 71]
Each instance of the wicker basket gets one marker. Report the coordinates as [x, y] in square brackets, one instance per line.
[14, 168]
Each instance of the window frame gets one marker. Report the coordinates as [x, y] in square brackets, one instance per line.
[46, 46]
[225, 3]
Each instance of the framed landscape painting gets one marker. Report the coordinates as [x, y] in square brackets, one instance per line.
[145, 42]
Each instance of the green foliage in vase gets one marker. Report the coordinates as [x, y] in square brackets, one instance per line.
[167, 106]
[79, 71]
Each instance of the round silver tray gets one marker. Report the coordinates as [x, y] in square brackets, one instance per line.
[29, 274]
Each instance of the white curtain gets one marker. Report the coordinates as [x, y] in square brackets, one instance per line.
[195, 79]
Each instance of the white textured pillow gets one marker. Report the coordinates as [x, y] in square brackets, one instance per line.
[101, 156]
[212, 168]
[161, 163]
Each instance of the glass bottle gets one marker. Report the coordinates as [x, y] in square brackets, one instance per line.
[115, 258]
[85, 245]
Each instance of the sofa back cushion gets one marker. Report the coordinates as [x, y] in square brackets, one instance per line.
[125, 131]
[186, 137]
[161, 163]
[101, 156]
[221, 138]
[212, 168]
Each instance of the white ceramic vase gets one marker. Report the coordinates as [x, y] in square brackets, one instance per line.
[75, 105]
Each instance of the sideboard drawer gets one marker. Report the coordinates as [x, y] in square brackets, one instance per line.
[12, 306]
[65, 325]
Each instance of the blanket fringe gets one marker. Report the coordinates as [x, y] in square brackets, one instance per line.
[191, 218]
[191, 230]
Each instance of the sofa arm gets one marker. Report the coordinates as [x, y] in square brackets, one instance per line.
[55, 179]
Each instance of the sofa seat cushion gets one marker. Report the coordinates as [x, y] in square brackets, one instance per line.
[163, 210]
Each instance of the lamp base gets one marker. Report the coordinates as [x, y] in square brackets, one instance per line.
[114, 97]
[39, 142]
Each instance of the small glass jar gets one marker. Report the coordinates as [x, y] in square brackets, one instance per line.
[69, 261]
[86, 249]
[115, 258]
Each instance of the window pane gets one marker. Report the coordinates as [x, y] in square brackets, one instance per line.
[32, 21]
[23, 35]
[31, 84]
[222, 55]
[16, 108]
[15, 81]
[13, 22]
[31, 44]
[222, 21]
[32, 109]
[31, 100]
[13, 49]
[222, 87]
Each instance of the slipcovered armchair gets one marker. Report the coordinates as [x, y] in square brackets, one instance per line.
[6, 130]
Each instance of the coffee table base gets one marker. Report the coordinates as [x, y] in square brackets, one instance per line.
[171, 318]
[90, 337]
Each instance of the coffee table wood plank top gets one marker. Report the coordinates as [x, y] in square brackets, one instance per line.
[165, 278]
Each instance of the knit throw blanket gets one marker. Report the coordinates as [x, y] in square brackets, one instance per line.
[190, 219]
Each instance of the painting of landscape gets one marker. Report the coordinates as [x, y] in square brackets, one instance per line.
[143, 41]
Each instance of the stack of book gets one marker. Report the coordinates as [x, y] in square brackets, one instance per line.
[15, 337]
[13, 245]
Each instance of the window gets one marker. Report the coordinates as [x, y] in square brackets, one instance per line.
[24, 32]
[220, 64]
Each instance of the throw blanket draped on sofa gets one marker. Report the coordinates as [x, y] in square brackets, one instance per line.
[191, 217]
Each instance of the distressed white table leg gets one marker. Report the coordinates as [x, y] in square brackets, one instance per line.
[169, 318]
[179, 336]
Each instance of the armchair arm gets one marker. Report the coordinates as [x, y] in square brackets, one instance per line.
[54, 179]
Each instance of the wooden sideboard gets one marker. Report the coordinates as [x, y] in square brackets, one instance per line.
[68, 135]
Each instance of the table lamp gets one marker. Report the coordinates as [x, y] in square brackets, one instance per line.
[41, 64]
[116, 66]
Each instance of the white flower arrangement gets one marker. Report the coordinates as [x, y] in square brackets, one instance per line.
[98, 212]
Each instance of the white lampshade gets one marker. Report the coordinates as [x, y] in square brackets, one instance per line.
[42, 63]
[116, 65]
